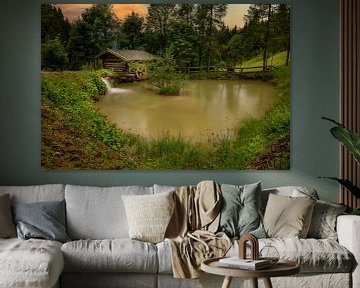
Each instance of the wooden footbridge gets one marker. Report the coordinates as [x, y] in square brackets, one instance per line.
[252, 69]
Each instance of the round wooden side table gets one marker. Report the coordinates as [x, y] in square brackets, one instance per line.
[281, 268]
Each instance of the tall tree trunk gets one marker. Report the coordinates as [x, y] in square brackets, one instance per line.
[288, 54]
[188, 16]
[266, 37]
[200, 52]
[210, 35]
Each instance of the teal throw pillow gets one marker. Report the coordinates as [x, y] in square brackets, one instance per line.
[240, 213]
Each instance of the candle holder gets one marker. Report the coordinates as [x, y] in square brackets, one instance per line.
[254, 246]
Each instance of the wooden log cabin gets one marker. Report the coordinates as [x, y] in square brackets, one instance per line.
[119, 61]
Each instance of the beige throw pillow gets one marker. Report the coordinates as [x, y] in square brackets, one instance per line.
[148, 215]
[7, 226]
[288, 217]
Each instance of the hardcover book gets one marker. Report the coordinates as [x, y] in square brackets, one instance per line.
[249, 264]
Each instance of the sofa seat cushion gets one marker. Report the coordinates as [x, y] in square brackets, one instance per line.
[30, 263]
[110, 255]
[108, 280]
[313, 255]
[164, 257]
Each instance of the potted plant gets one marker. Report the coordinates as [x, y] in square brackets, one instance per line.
[351, 141]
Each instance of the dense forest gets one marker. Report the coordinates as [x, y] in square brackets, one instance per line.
[194, 34]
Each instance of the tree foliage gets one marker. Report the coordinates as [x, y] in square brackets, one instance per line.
[53, 55]
[158, 22]
[235, 53]
[195, 33]
[132, 28]
[163, 75]
[95, 31]
[53, 24]
[267, 29]
[183, 44]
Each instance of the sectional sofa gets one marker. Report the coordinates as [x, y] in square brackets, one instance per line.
[99, 253]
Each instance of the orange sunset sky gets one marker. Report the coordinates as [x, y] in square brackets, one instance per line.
[235, 12]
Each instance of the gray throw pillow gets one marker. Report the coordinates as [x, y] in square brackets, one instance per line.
[43, 220]
[240, 213]
[7, 226]
[323, 222]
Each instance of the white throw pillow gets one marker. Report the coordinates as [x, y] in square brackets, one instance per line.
[149, 215]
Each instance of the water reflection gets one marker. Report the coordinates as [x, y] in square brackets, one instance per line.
[205, 108]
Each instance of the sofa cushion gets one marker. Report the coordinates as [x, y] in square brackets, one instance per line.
[323, 222]
[109, 280]
[313, 255]
[287, 216]
[149, 215]
[43, 220]
[36, 193]
[164, 257]
[30, 263]
[240, 210]
[7, 226]
[98, 213]
[116, 255]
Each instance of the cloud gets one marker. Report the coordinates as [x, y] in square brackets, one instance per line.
[235, 13]
[123, 10]
[74, 11]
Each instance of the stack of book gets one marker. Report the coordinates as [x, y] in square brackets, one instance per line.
[248, 264]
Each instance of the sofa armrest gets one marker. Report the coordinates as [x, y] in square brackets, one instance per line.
[348, 230]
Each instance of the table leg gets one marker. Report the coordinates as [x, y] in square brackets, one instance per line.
[227, 282]
[254, 282]
[267, 283]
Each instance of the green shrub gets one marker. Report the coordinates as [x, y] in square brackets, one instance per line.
[53, 55]
[169, 90]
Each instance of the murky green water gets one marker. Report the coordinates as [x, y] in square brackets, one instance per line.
[206, 108]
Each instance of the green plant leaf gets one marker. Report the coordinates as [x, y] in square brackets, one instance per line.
[355, 211]
[348, 185]
[348, 138]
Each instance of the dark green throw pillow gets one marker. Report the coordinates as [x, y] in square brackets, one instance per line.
[43, 220]
[240, 213]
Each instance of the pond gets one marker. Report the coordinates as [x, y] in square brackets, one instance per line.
[205, 108]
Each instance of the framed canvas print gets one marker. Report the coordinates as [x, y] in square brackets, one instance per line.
[165, 86]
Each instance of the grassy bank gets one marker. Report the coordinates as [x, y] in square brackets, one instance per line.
[276, 60]
[263, 143]
[76, 136]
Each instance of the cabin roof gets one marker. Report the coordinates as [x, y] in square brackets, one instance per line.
[129, 55]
